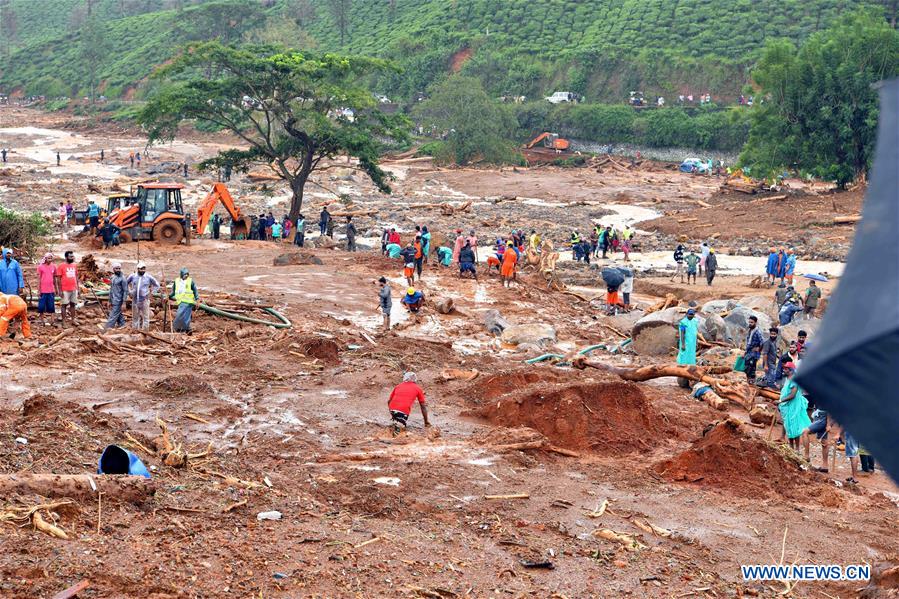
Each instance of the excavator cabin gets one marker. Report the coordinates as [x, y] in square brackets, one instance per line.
[155, 213]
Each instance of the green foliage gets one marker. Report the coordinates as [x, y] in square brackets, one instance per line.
[710, 129]
[25, 232]
[131, 46]
[292, 109]
[820, 110]
[474, 126]
[599, 48]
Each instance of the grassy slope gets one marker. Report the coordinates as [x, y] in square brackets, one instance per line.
[720, 28]
[600, 48]
[135, 45]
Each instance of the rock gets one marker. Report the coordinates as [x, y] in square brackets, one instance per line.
[719, 306]
[711, 326]
[790, 332]
[656, 334]
[322, 241]
[762, 413]
[296, 258]
[445, 305]
[737, 323]
[537, 333]
[494, 322]
[760, 303]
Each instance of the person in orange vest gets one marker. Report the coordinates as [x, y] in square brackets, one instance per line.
[12, 307]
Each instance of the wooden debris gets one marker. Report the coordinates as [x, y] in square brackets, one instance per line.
[450, 374]
[72, 591]
[599, 511]
[847, 220]
[511, 496]
[629, 542]
[51, 529]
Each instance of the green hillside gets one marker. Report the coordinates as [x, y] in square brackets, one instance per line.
[599, 48]
[37, 20]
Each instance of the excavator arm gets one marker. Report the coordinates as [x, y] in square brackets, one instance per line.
[537, 140]
[221, 194]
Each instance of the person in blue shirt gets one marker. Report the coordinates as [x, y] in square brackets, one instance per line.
[11, 280]
[790, 267]
[753, 349]
[413, 300]
[771, 267]
[93, 215]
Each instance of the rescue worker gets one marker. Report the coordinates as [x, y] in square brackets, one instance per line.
[12, 282]
[118, 293]
[184, 292]
[12, 307]
[141, 287]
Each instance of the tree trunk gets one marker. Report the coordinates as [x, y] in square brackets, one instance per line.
[296, 201]
[732, 391]
[123, 487]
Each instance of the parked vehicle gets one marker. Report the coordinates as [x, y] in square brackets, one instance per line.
[559, 97]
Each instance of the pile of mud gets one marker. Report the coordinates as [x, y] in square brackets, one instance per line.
[181, 385]
[609, 416]
[320, 348]
[730, 458]
[60, 436]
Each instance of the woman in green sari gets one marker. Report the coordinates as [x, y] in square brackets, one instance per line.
[793, 408]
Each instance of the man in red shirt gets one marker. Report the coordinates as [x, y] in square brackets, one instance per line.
[67, 282]
[402, 398]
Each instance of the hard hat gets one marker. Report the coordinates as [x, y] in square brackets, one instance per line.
[184, 271]
[141, 265]
[410, 291]
[116, 265]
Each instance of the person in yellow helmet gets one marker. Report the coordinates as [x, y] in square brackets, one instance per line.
[413, 300]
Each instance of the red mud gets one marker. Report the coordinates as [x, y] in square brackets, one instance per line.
[729, 458]
[320, 348]
[608, 417]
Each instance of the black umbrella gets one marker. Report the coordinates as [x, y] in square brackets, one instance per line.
[852, 369]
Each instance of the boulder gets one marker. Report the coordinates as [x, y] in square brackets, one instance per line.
[494, 322]
[296, 259]
[760, 303]
[322, 241]
[656, 334]
[711, 326]
[737, 322]
[537, 333]
[719, 306]
[790, 332]
[445, 305]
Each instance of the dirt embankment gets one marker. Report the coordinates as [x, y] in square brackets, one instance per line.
[729, 458]
[607, 417]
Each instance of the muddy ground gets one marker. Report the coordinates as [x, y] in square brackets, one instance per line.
[297, 423]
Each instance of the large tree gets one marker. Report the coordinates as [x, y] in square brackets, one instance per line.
[819, 103]
[292, 109]
[473, 126]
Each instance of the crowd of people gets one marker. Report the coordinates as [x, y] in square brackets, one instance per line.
[63, 280]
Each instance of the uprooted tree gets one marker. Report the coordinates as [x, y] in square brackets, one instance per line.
[293, 109]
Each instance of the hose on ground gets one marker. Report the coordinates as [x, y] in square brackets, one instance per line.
[582, 352]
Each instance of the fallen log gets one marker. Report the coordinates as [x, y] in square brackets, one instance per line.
[782, 196]
[735, 392]
[847, 220]
[123, 487]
